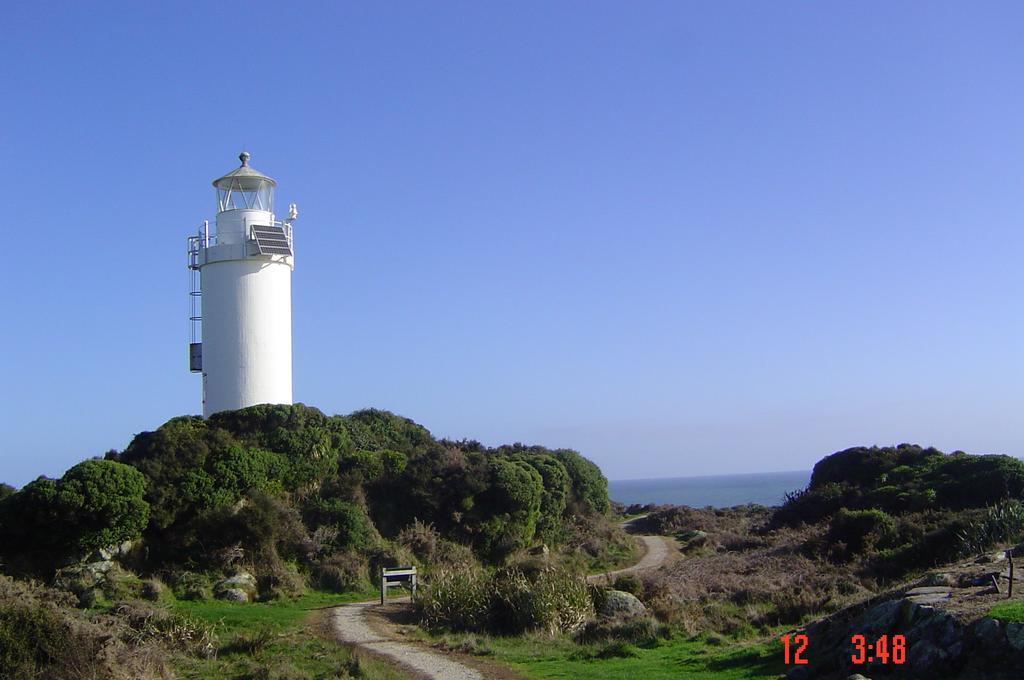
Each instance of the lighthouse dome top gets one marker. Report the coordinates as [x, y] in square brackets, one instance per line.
[245, 188]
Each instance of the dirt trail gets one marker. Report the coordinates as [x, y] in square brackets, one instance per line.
[657, 553]
[350, 626]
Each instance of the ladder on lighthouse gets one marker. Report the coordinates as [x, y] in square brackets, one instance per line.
[195, 298]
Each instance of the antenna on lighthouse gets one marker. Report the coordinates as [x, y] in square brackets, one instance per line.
[244, 283]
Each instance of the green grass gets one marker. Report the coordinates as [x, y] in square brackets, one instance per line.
[1008, 611]
[294, 650]
[542, 657]
[617, 558]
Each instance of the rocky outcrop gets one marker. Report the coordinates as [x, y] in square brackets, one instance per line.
[87, 580]
[938, 645]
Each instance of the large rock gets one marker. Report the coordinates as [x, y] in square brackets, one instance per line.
[1015, 635]
[111, 552]
[989, 632]
[233, 595]
[620, 603]
[242, 582]
[938, 578]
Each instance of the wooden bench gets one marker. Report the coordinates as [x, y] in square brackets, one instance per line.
[397, 576]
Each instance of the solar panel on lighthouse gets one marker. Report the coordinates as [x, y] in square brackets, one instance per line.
[271, 240]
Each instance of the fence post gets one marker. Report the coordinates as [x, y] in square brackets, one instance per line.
[1009, 556]
[383, 585]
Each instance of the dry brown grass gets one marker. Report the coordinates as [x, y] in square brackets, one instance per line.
[744, 578]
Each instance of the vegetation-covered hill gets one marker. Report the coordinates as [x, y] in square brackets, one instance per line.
[288, 482]
[265, 502]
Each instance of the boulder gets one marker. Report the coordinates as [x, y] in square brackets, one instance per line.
[881, 618]
[620, 603]
[1015, 635]
[938, 578]
[988, 632]
[242, 582]
[233, 595]
[927, 658]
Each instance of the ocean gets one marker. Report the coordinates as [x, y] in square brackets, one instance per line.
[720, 491]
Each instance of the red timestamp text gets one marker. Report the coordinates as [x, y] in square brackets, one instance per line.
[886, 649]
[793, 649]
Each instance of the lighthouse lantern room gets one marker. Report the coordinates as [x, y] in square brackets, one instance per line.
[241, 295]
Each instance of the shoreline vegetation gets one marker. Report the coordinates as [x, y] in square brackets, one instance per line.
[209, 548]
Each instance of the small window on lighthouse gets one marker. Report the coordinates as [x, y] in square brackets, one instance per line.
[245, 193]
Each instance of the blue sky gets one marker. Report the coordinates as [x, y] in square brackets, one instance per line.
[683, 238]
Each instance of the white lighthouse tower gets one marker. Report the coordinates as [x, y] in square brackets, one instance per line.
[242, 296]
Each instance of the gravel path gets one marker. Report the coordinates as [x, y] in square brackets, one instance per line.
[349, 622]
[350, 625]
[657, 552]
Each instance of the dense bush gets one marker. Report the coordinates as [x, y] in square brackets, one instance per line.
[96, 504]
[421, 539]
[341, 573]
[31, 640]
[1000, 523]
[508, 508]
[902, 479]
[288, 484]
[353, 529]
[859, 531]
[589, 486]
[455, 599]
[507, 602]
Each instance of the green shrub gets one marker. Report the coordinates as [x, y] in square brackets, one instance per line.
[629, 583]
[861, 530]
[387, 554]
[189, 585]
[509, 508]
[35, 642]
[354, 529]
[29, 640]
[279, 580]
[506, 603]
[589, 487]
[341, 573]
[454, 599]
[421, 539]
[96, 504]
[1000, 523]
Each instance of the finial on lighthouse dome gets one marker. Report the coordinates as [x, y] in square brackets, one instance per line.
[244, 157]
